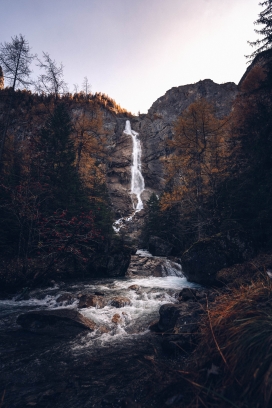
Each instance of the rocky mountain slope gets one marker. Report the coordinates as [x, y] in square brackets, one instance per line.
[154, 129]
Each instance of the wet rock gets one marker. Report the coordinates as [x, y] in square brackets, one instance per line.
[60, 322]
[99, 293]
[24, 295]
[114, 261]
[134, 287]
[153, 326]
[91, 301]
[103, 329]
[116, 318]
[120, 301]
[204, 259]
[187, 294]
[180, 318]
[66, 298]
[159, 247]
[145, 266]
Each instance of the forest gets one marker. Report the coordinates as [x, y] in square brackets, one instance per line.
[56, 215]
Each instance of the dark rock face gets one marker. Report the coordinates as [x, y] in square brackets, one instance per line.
[156, 127]
[119, 168]
[179, 317]
[261, 60]
[113, 262]
[159, 247]
[205, 258]
[61, 322]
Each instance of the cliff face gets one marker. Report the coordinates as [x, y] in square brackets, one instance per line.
[157, 126]
[119, 160]
[154, 129]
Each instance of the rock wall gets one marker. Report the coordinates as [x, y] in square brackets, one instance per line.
[119, 163]
[154, 129]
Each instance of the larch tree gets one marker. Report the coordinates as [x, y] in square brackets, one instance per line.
[89, 141]
[197, 162]
[51, 82]
[86, 86]
[15, 59]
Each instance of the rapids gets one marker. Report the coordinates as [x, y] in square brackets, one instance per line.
[134, 319]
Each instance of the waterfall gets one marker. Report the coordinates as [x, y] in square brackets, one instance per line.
[137, 180]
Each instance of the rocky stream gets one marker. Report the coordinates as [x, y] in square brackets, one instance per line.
[89, 344]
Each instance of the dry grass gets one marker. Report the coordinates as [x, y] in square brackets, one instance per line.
[237, 336]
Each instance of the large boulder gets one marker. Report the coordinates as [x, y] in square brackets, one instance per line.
[59, 322]
[113, 261]
[179, 318]
[202, 261]
[159, 247]
[145, 266]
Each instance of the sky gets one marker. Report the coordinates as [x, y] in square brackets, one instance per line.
[136, 50]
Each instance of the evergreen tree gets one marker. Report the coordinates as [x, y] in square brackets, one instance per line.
[56, 161]
[265, 19]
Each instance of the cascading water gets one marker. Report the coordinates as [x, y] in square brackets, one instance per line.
[137, 180]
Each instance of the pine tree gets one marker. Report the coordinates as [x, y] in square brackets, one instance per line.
[56, 161]
[265, 19]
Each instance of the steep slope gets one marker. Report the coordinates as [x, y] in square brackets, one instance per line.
[156, 127]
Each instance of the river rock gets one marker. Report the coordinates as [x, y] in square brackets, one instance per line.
[202, 261]
[91, 301]
[116, 318]
[114, 261]
[187, 294]
[120, 301]
[145, 266]
[60, 322]
[180, 318]
[159, 247]
[134, 287]
[66, 299]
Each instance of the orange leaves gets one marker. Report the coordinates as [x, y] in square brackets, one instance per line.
[197, 165]
[89, 141]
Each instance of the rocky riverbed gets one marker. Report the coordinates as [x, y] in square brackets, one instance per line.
[89, 344]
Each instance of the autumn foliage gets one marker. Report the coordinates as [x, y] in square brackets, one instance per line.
[55, 212]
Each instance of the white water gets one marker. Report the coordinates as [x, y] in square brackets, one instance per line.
[137, 180]
[134, 319]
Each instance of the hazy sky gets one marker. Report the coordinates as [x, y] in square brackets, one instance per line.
[135, 50]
